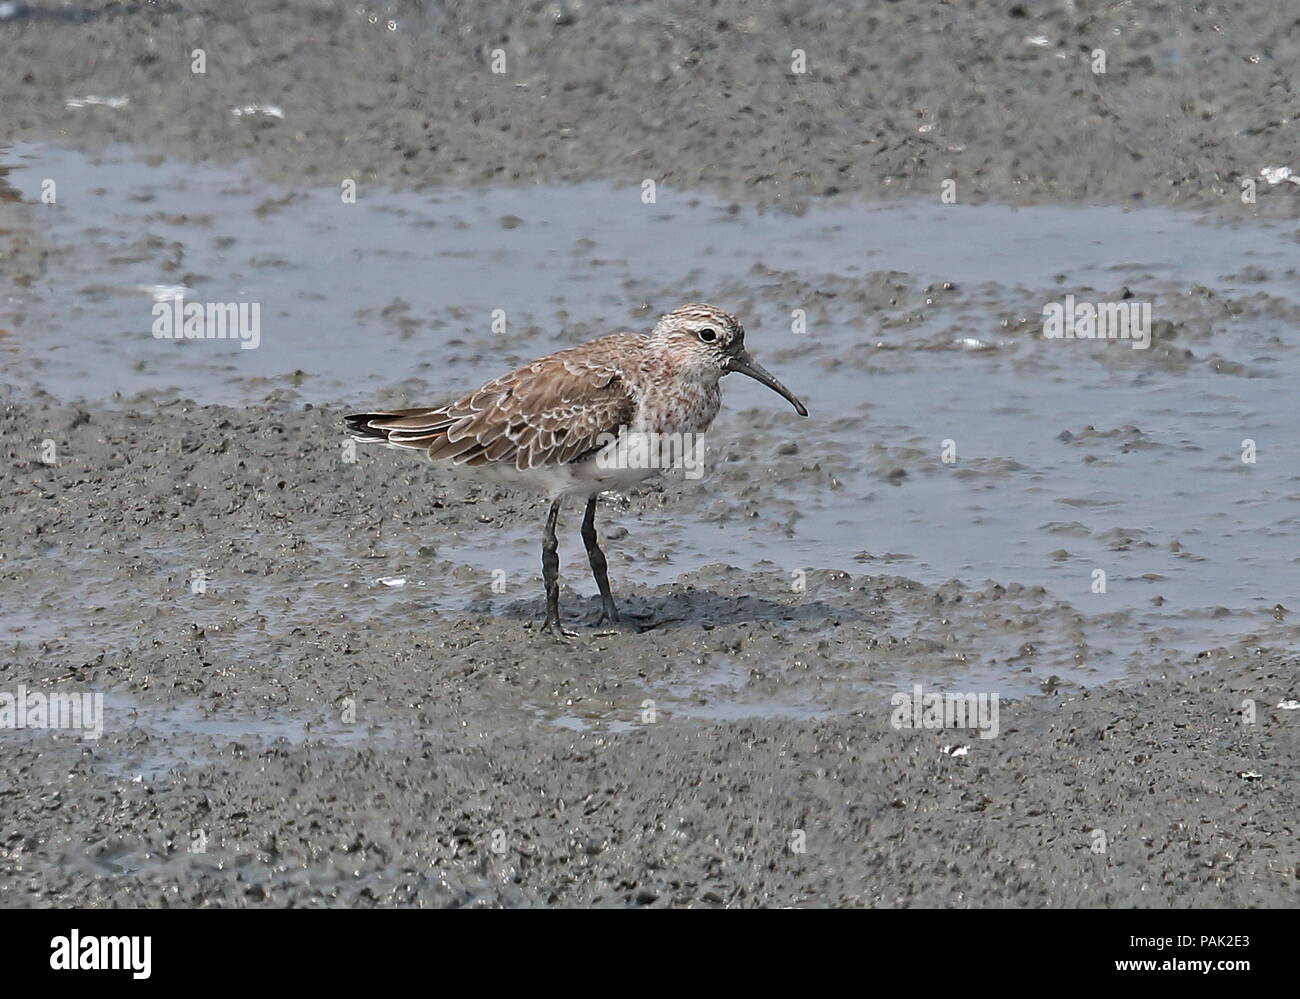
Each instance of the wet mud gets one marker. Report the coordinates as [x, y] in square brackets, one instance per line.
[321, 677]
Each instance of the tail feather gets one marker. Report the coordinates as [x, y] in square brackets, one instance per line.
[403, 428]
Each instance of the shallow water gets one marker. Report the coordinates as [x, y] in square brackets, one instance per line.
[923, 327]
[144, 741]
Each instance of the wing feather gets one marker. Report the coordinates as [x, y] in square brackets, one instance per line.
[548, 412]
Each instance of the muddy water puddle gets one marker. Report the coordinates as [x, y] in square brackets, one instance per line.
[133, 739]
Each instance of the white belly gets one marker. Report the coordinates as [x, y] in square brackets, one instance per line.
[576, 479]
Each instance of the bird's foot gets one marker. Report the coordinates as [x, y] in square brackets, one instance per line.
[557, 631]
[611, 622]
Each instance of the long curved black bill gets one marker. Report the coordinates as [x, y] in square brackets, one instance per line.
[746, 365]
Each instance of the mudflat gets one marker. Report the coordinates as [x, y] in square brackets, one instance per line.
[319, 671]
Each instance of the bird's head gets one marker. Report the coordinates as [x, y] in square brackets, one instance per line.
[705, 341]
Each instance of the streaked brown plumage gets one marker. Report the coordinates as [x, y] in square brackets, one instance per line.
[545, 425]
[549, 412]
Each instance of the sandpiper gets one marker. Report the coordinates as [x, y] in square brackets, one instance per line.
[556, 425]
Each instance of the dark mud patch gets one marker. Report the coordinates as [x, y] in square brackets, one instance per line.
[1001, 99]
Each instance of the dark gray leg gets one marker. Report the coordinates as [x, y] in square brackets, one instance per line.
[551, 571]
[599, 568]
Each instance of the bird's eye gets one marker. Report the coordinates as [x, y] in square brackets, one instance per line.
[708, 335]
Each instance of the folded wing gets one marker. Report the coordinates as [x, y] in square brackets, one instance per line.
[550, 412]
